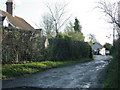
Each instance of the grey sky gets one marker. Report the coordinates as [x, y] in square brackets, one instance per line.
[92, 20]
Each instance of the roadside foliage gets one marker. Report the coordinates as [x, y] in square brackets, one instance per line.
[63, 47]
[19, 46]
[23, 52]
[112, 78]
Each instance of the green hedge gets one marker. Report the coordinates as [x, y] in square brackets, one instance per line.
[21, 45]
[63, 47]
[112, 78]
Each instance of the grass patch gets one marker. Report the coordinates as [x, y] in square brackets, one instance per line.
[14, 70]
[111, 79]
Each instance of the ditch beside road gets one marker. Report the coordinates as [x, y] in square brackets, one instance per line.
[81, 75]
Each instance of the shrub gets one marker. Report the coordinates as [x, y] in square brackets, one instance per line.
[112, 78]
[59, 48]
[63, 47]
[21, 45]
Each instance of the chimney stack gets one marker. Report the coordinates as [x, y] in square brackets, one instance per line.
[10, 6]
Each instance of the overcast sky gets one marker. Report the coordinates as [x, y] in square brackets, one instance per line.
[92, 20]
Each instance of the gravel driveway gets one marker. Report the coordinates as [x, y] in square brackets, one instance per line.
[82, 75]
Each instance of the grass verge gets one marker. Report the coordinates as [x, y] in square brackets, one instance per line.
[111, 79]
[14, 70]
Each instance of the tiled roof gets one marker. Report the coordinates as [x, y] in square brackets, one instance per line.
[17, 21]
[98, 44]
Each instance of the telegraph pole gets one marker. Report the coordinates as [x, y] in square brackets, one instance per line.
[113, 33]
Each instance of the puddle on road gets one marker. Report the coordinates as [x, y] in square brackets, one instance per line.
[100, 61]
[92, 70]
[101, 57]
[87, 85]
[101, 67]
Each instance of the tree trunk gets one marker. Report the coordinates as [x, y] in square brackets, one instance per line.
[17, 57]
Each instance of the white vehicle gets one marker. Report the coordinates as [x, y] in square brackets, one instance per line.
[107, 52]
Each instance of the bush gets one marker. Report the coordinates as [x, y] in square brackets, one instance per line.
[112, 78]
[64, 48]
[77, 36]
[59, 48]
[21, 45]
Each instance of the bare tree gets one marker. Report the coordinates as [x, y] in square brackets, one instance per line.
[59, 14]
[111, 10]
[47, 25]
[92, 38]
[69, 27]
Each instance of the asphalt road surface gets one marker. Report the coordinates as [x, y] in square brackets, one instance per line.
[82, 75]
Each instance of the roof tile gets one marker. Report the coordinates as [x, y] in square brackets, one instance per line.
[17, 21]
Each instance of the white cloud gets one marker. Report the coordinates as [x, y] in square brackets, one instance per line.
[19, 2]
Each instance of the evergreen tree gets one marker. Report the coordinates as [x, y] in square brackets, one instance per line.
[74, 30]
[107, 46]
[77, 26]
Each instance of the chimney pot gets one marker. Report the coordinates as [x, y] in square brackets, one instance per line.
[10, 7]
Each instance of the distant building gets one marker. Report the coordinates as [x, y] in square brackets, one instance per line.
[97, 48]
[9, 19]
[102, 51]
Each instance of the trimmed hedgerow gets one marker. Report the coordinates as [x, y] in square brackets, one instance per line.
[65, 48]
[21, 45]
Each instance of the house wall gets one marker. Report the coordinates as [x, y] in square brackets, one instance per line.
[102, 51]
[5, 22]
[46, 43]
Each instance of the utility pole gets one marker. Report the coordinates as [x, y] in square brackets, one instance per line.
[118, 18]
[113, 33]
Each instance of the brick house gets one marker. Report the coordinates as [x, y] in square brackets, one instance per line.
[8, 18]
